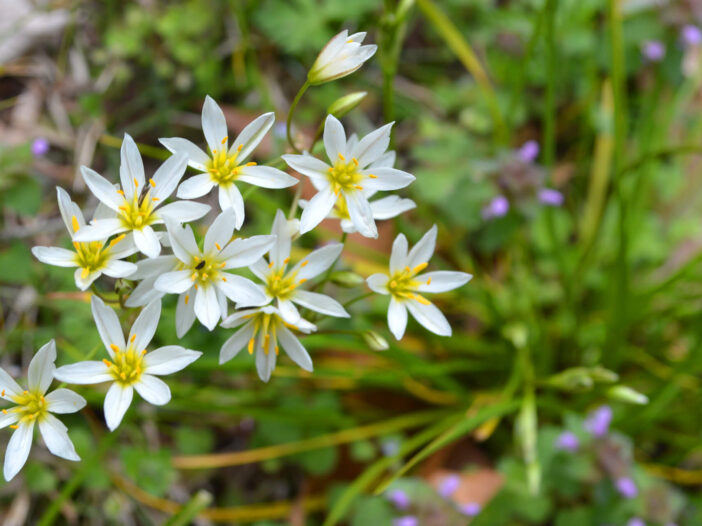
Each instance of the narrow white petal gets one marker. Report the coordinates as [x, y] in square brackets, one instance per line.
[260, 269]
[18, 449]
[102, 188]
[167, 177]
[288, 311]
[68, 209]
[182, 241]
[153, 390]
[144, 293]
[175, 282]
[184, 211]
[56, 438]
[243, 252]
[236, 342]
[83, 373]
[8, 386]
[145, 326]
[220, 232]
[214, 125]
[423, 250]
[360, 213]
[385, 160]
[252, 135]
[83, 283]
[398, 255]
[266, 177]
[430, 317]
[230, 198]
[334, 139]
[119, 269]
[107, 324]
[318, 261]
[99, 230]
[147, 241]
[131, 167]
[294, 349]
[59, 257]
[63, 401]
[378, 283]
[320, 303]
[372, 146]
[41, 368]
[8, 419]
[386, 179]
[391, 206]
[207, 307]
[195, 186]
[242, 291]
[397, 318]
[308, 165]
[117, 401]
[317, 209]
[265, 363]
[238, 318]
[154, 267]
[442, 280]
[169, 359]
[196, 157]
[124, 248]
[280, 251]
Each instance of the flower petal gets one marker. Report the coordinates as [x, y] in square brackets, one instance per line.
[372, 146]
[153, 390]
[147, 241]
[244, 252]
[236, 342]
[398, 255]
[220, 232]
[195, 186]
[99, 230]
[168, 175]
[184, 211]
[391, 206]
[360, 213]
[63, 401]
[196, 157]
[334, 139]
[397, 318]
[18, 449]
[230, 197]
[242, 291]
[214, 125]
[41, 368]
[144, 293]
[442, 280]
[238, 318]
[430, 317]
[169, 359]
[386, 179]
[182, 241]
[68, 210]
[117, 401]
[131, 168]
[83, 373]
[83, 283]
[145, 326]
[308, 165]
[266, 177]
[317, 209]
[294, 349]
[288, 311]
[102, 188]
[423, 250]
[56, 438]
[378, 283]
[207, 307]
[107, 324]
[9, 418]
[318, 261]
[119, 269]
[56, 256]
[320, 303]
[8, 386]
[252, 135]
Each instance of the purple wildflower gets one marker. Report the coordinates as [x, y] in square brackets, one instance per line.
[597, 422]
[627, 487]
[449, 485]
[399, 498]
[550, 197]
[567, 441]
[691, 35]
[471, 509]
[528, 152]
[635, 521]
[653, 50]
[407, 520]
[40, 147]
[498, 207]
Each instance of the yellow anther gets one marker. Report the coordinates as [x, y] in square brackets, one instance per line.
[4, 411]
[76, 245]
[342, 157]
[195, 286]
[74, 223]
[136, 183]
[276, 350]
[155, 198]
[3, 393]
[132, 338]
[303, 280]
[214, 152]
[84, 273]
[421, 299]
[152, 183]
[224, 279]
[358, 187]
[194, 276]
[252, 163]
[304, 263]
[120, 192]
[286, 261]
[270, 265]
[123, 208]
[429, 281]
[204, 275]
[238, 148]
[187, 298]
[372, 176]
[143, 352]
[107, 362]
[226, 138]
[218, 246]
[354, 161]
[407, 269]
[114, 347]
[13, 426]
[393, 283]
[117, 240]
[251, 345]
[420, 267]
[123, 376]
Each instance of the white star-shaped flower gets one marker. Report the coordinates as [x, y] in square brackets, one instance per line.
[201, 274]
[263, 329]
[34, 406]
[342, 55]
[348, 177]
[283, 285]
[405, 283]
[384, 208]
[225, 165]
[136, 204]
[92, 258]
[130, 367]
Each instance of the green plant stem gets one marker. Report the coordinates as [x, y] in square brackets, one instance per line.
[291, 111]
[357, 298]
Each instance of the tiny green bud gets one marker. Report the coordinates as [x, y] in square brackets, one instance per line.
[346, 279]
[573, 379]
[375, 341]
[602, 375]
[627, 394]
[345, 104]
[517, 334]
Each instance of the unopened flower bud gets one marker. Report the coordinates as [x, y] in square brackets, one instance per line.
[346, 279]
[375, 341]
[342, 55]
[627, 394]
[345, 104]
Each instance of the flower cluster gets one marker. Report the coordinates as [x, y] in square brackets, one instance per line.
[141, 234]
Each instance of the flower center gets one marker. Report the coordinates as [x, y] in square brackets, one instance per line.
[138, 212]
[344, 176]
[223, 167]
[265, 330]
[205, 269]
[402, 284]
[126, 366]
[92, 256]
[281, 286]
[30, 406]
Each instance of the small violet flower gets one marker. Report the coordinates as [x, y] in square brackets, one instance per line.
[449, 485]
[653, 50]
[471, 509]
[528, 152]
[597, 422]
[498, 207]
[567, 441]
[627, 487]
[399, 499]
[40, 147]
[635, 521]
[691, 35]
[550, 197]
[407, 520]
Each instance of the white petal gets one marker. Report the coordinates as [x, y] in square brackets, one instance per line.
[68, 209]
[442, 280]
[184, 211]
[154, 267]
[147, 241]
[372, 146]
[195, 186]
[102, 188]
[430, 317]
[131, 168]
[99, 230]
[252, 135]
[8, 386]
[334, 139]
[385, 160]
[220, 232]
[360, 213]
[102, 211]
[236, 342]
[243, 252]
[119, 269]
[214, 125]
[398, 255]
[18, 449]
[260, 269]
[145, 326]
[423, 250]
[117, 401]
[320, 303]
[332, 48]
[288, 311]
[230, 198]
[207, 307]
[63, 401]
[391, 206]
[83, 283]
[397, 318]
[317, 209]
[82, 373]
[266, 177]
[56, 438]
[153, 390]
[123, 247]
[59, 257]
[167, 177]
[386, 179]
[280, 251]
[294, 349]
[107, 324]
[144, 293]
[265, 363]
[182, 241]
[8, 419]
[169, 359]
[196, 157]
[185, 313]
[238, 318]
[308, 165]
[41, 368]
[242, 291]
[318, 261]
[378, 283]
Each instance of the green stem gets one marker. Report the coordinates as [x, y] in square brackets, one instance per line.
[288, 123]
[357, 298]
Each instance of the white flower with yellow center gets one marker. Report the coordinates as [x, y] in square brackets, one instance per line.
[349, 176]
[92, 258]
[283, 284]
[263, 329]
[383, 208]
[201, 278]
[130, 367]
[342, 55]
[34, 406]
[136, 204]
[405, 284]
[225, 165]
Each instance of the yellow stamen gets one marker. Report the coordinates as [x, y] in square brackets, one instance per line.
[238, 148]
[342, 157]
[358, 187]
[354, 161]
[303, 280]
[304, 263]
[13, 426]
[429, 281]
[226, 138]
[420, 267]
[252, 163]
[107, 362]
[270, 265]
[114, 347]
[155, 198]
[224, 279]
[218, 246]
[84, 273]
[117, 240]
[120, 192]
[74, 223]
[251, 346]
[132, 338]
[152, 183]
[372, 176]
[136, 183]
[187, 298]
[286, 261]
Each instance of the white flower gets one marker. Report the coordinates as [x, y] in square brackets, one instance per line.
[342, 55]
[283, 285]
[92, 258]
[348, 177]
[130, 366]
[225, 165]
[404, 283]
[34, 407]
[384, 208]
[262, 330]
[134, 205]
[200, 274]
